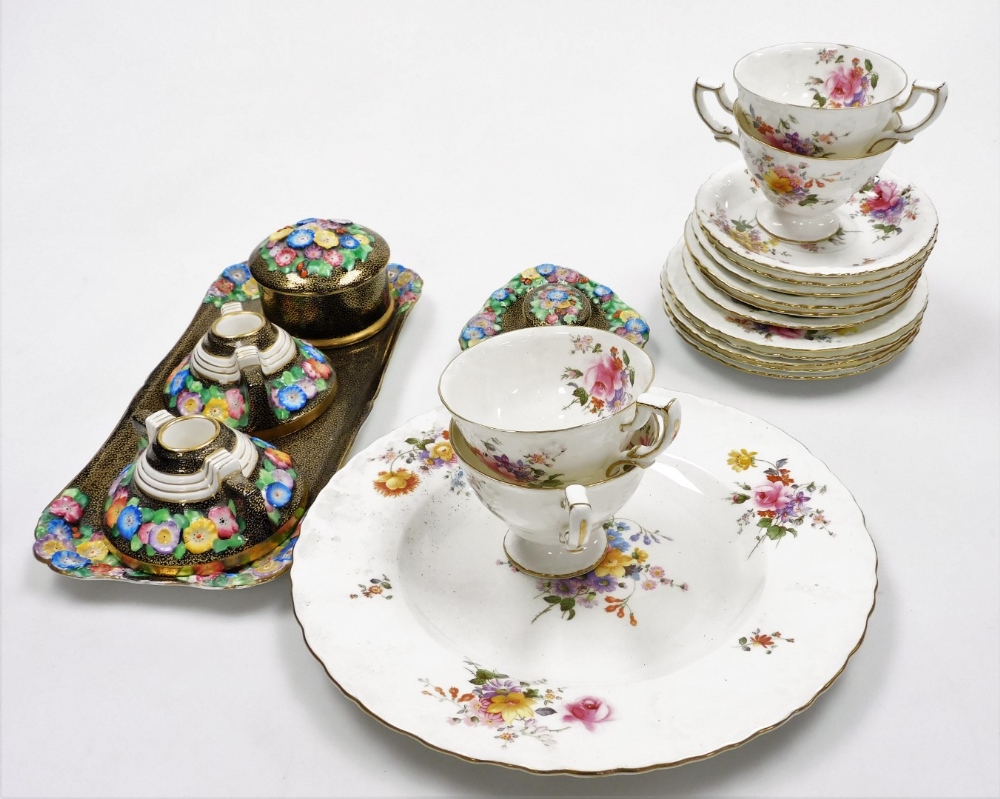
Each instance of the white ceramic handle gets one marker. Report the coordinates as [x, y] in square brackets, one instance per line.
[905, 133]
[719, 131]
[667, 413]
[579, 517]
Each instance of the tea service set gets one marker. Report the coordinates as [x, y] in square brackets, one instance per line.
[804, 261]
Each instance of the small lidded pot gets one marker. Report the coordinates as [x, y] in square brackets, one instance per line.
[324, 280]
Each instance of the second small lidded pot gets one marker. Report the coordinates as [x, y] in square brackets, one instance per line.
[324, 280]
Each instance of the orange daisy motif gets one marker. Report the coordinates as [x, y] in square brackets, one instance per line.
[396, 482]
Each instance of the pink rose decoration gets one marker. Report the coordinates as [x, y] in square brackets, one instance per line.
[144, 532]
[278, 458]
[588, 710]
[604, 379]
[887, 196]
[225, 522]
[772, 496]
[235, 403]
[844, 85]
[787, 332]
[66, 507]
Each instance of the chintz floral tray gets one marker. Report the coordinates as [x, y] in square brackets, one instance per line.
[68, 535]
[737, 584]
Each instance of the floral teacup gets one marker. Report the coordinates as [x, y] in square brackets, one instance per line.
[252, 376]
[824, 100]
[551, 406]
[553, 532]
[200, 498]
[803, 193]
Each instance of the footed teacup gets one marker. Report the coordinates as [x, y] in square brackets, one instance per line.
[553, 532]
[551, 406]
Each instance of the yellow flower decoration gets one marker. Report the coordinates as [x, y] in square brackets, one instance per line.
[615, 562]
[200, 534]
[217, 408]
[441, 450]
[530, 274]
[94, 549]
[627, 314]
[780, 184]
[190, 405]
[361, 237]
[280, 234]
[512, 706]
[326, 239]
[395, 483]
[251, 289]
[50, 547]
[640, 555]
[741, 460]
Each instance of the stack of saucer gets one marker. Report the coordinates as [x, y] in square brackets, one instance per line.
[805, 259]
[782, 309]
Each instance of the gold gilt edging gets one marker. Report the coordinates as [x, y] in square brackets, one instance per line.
[810, 310]
[752, 266]
[791, 320]
[684, 318]
[827, 354]
[371, 330]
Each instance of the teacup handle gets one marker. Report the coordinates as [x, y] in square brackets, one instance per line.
[667, 413]
[719, 131]
[579, 518]
[905, 133]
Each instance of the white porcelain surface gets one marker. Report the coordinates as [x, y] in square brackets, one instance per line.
[882, 230]
[781, 337]
[718, 627]
[834, 98]
[553, 531]
[556, 405]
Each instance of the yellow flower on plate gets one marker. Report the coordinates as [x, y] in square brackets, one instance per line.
[280, 234]
[627, 314]
[741, 460]
[217, 408]
[326, 239]
[94, 549]
[512, 706]
[362, 239]
[441, 450]
[200, 534]
[640, 555]
[396, 482]
[614, 564]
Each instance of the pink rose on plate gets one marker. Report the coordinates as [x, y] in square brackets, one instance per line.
[786, 332]
[588, 710]
[605, 378]
[845, 85]
[886, 196]
[772, 496]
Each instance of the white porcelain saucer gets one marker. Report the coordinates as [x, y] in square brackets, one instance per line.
[783, 339]
[708, 255]
[738, 582]
[881, 230]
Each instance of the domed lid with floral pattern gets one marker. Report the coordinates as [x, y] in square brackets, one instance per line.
[318, 256]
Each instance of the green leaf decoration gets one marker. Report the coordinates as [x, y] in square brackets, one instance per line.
[597, 348]
[544, 711]
[552, 600]
[147, 514]
[220, 545]
[764, 523]
[237, 540]
[320, 384]
[743, 641]
[190, 514]
[180, 550]
[179, 520]
[150, 552]
[868, 64]
[582, 396]
[135, 544]
[160, 516]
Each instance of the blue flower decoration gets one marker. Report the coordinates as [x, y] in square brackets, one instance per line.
[306, 221]
[237, 273]
[546, 269]
[602, 584]
[178, 381]
[473, 334]
[311, 352]
[349, 242]
[556, 295]
[501, 294]
[602, 292]
[64, 559]
[292, 398]
[302, 237]
[59, 527]
[277, 494]
[636, 325]
[128, 521]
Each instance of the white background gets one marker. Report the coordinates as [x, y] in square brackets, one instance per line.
[146, 146]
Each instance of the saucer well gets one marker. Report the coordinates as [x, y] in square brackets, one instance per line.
[737, 583]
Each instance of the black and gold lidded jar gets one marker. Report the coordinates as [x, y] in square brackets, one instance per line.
[324, 280]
